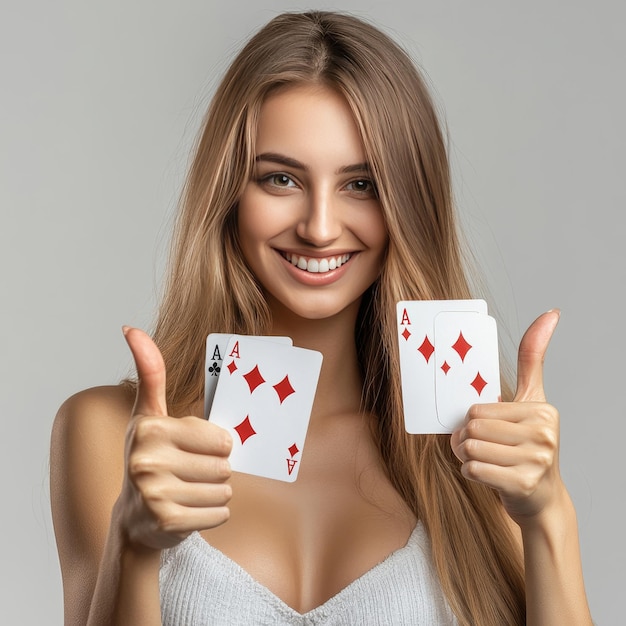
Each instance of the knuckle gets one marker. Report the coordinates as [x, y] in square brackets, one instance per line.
[474, 412]
[543, 458]
[547, 437]
[150, 428]
[471, 469]
[153, 493]
[473, 428]
[472, 447]
[527, 485]
[169, 522]
[547, 414]
[140, 464]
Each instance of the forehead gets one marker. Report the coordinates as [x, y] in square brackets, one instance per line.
[308, 122]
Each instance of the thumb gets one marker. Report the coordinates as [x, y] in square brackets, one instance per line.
[532, 351]
[150, 366]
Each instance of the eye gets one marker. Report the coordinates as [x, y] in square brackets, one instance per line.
[279, 180]
[362, 186]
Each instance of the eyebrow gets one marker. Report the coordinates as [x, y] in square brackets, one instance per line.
[281, 159]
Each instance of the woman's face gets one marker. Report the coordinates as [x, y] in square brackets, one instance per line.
[310, 224]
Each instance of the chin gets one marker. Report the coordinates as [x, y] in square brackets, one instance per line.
[313, 309]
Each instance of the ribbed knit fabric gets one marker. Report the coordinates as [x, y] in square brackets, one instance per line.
[201, 586]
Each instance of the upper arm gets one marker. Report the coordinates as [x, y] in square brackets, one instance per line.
[86, 473]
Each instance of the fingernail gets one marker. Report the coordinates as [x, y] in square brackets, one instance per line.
[557, 311]
[125, 330]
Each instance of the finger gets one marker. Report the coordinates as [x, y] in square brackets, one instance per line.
[193, 434]
[181, 519]
[492, 453]
[532, 351]
[502, 479]
[527, 411]
[187, 434]
[495, 431]
[203, 495]
[174, 492]
[150, 399]
[200, 468]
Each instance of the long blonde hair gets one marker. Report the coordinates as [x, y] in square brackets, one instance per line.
[210, 289]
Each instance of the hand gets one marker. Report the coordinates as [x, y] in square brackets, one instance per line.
[513, 446]
[176, 468]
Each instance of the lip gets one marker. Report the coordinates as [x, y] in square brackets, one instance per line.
[316, 278]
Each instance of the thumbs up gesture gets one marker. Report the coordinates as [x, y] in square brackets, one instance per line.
[513, 446]
[175, 468]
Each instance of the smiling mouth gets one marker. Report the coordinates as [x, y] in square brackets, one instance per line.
[314, 265]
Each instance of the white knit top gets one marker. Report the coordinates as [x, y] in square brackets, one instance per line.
[201, 586]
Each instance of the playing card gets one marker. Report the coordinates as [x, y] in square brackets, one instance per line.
[416, 337]
[264, 397]
[467, 369]
[215, 348]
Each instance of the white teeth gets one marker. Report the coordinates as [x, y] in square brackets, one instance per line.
[317, 266]
[313, 266]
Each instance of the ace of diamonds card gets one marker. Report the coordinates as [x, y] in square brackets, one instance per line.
[448, 361]
[264, 397]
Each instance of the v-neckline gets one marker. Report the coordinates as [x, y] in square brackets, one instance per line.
[417, 537]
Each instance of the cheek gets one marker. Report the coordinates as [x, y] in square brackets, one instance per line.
[375, 231]
[245, 232]
[259, 218]
[250, 222]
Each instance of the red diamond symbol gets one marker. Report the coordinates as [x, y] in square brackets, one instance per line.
[254, 378]
[245, 430]
[445, 367]
[232, 366]
[479, 383]
[461, 346]
[284, 389]
[426, 348]
[293, 449]
[406, 334]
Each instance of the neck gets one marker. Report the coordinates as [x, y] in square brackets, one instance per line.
[340, 384]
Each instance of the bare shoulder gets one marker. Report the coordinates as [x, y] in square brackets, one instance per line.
[92, 421]
[88, 434]
[86, 470]
[112, 402]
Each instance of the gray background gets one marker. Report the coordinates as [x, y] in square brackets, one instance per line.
[100, 102]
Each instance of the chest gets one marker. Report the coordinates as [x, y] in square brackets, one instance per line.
[308, 540]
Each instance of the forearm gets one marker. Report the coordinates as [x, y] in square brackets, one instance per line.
[555, 591]
[127, 589]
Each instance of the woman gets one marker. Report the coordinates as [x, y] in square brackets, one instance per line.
[321, 146]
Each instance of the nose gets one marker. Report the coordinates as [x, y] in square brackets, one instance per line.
[320, 224]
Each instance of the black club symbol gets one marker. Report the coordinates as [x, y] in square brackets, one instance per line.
[215, 369]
